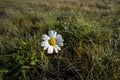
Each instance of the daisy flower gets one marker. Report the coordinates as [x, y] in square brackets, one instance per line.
[52, 42]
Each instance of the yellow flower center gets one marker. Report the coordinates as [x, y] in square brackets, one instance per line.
[52, 41]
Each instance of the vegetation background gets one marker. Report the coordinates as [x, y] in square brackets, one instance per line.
[90, 28]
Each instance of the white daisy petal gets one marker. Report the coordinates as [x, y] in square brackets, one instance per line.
[52, 34]
[46, 44]
[60, 43]
[45, 47]
[43, 43]
[59, 37]
[45, 37]
[50, 49]
[59, 40]
[55, 34]
[56, 50]
[57, 47]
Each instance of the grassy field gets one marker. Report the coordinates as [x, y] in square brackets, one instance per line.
[91, 32]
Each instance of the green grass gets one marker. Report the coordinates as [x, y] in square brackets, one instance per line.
[90, 28]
